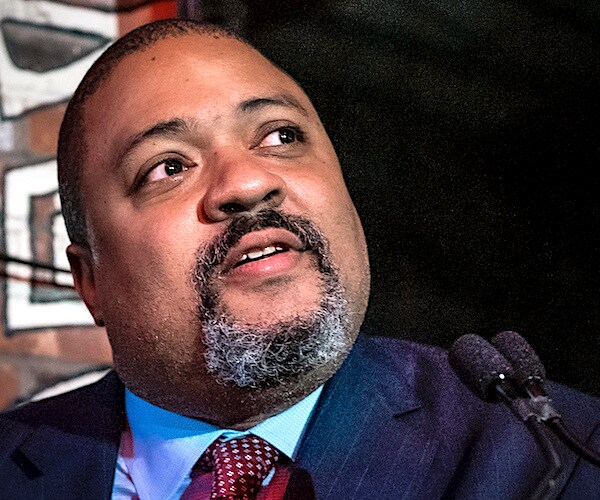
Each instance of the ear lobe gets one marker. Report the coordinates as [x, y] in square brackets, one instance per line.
[82, 269]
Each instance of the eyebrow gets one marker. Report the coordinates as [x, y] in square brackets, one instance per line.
[161, 129]
[177, 126]
[283, 100]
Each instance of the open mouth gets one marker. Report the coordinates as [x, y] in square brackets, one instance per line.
[277, 248]
[259, 253]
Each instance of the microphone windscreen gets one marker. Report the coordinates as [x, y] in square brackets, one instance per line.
[524, 360]
[479, 365]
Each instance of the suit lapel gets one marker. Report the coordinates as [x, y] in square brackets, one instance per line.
[365, 435]
[84, 442]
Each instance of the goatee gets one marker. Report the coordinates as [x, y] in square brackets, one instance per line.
[270, 354]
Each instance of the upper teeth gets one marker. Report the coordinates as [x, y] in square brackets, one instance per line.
[256, 253]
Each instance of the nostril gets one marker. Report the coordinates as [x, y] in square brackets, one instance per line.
[249, 203]
[232, 208]
[271, 195]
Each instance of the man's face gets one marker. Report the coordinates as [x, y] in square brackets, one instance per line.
[185, 140]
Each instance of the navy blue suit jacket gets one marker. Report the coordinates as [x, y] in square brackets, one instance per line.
[393, 423]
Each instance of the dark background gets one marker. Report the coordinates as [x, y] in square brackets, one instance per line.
[468, 132]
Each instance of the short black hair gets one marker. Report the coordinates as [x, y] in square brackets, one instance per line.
[72, 148]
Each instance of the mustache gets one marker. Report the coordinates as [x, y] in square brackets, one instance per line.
[210, 257]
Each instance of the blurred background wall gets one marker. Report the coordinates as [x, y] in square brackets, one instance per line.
[467, 131]
[46, 333]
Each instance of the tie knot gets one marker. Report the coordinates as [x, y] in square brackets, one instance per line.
[240, 466]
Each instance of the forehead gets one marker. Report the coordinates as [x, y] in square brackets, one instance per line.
[179, 58]
[204, 76]
[191, 70]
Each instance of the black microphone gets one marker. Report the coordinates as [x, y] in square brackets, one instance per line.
[530, 375]
[488, 374]
[482, 368]
[529, 371]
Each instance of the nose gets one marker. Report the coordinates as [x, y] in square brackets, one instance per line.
[240, 185]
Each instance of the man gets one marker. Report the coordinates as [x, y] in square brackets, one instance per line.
[212, 234]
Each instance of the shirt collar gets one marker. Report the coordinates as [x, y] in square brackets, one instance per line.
[162, 437]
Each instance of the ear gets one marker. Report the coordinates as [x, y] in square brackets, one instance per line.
[82, 269]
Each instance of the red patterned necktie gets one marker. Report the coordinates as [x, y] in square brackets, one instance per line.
[240, 466]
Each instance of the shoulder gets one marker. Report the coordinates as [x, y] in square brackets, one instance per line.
[431, 363]
[65, 443]
[439, 388]
[101, 401]
[424, 367]
[483, 441]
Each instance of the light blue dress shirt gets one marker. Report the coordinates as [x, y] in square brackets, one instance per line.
[161, 447]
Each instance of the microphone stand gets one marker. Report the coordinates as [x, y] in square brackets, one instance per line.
[547, 487]
[529, 375]
[533, 412]
[546, 414]
[512, 373]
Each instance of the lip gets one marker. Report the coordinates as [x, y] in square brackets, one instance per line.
[261, 239]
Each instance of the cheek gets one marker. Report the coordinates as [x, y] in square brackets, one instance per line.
[329, 205]
[156, 236]
[147, 265]
[326, 200]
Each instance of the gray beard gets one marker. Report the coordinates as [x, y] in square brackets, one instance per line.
[271, 354]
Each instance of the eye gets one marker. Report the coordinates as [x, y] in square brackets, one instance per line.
[165, 168]
[281, 136]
